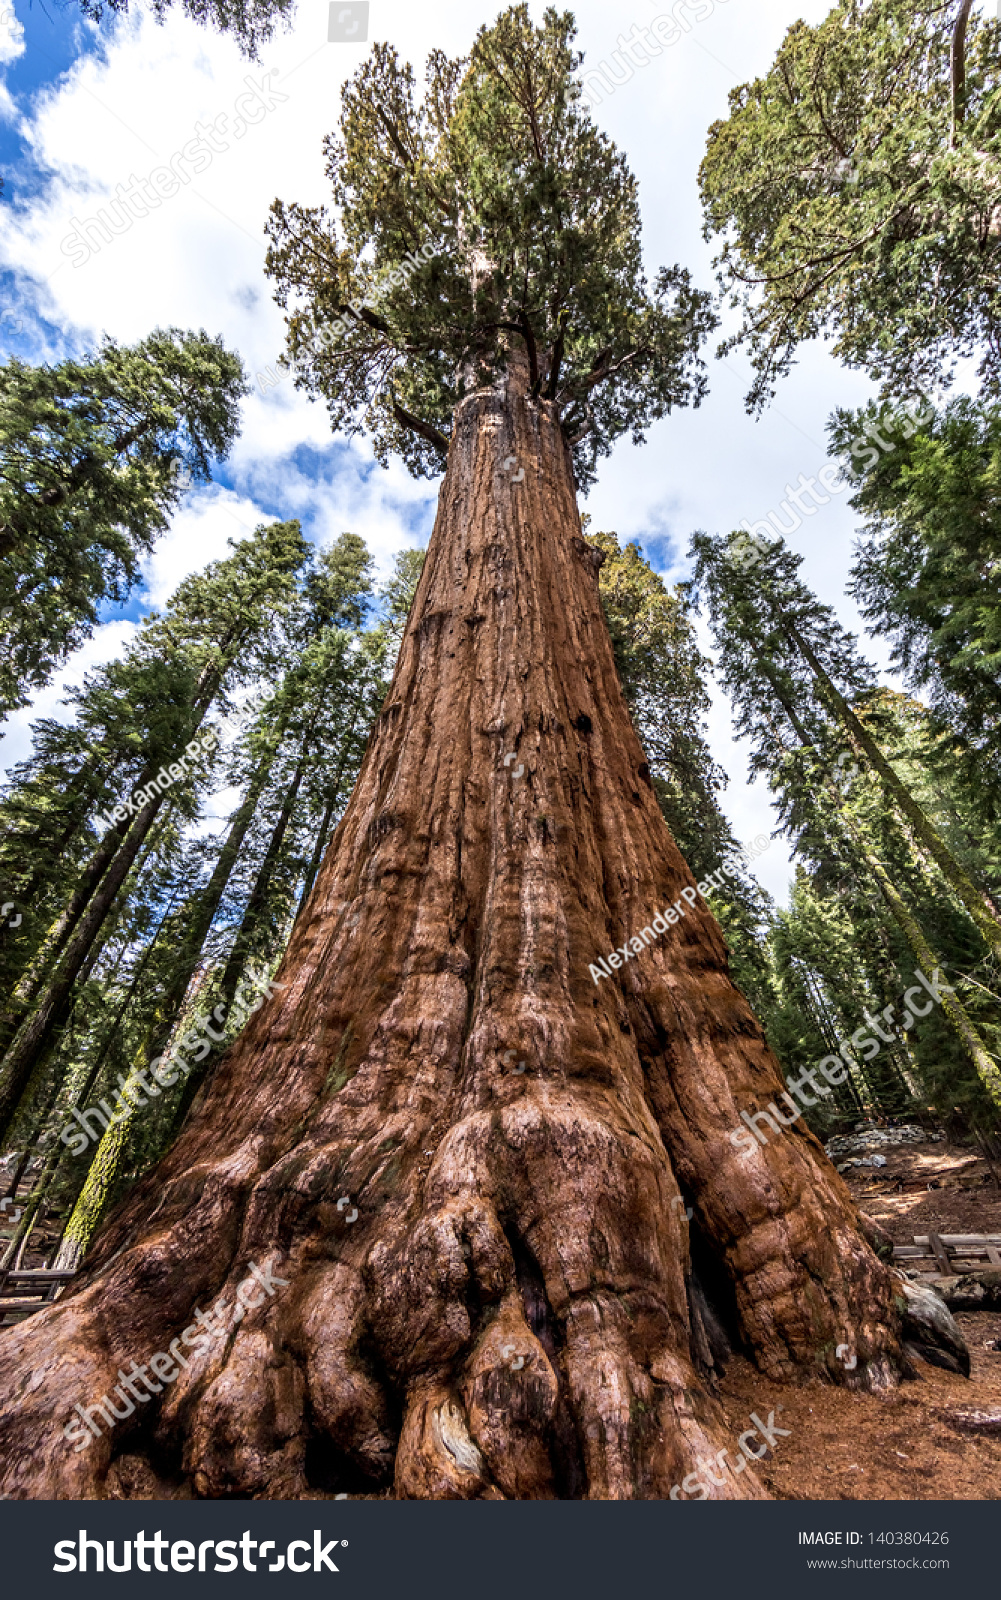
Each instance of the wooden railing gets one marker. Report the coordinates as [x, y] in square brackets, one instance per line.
[946, 1254]
[22, 1293]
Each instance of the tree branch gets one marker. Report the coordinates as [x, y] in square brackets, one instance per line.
[427, 430]
[557, 361]
[959, 67]
[599, 373]
[533, 355]
[583, 432]
[363, 314]
[394, 138]
[78, 475]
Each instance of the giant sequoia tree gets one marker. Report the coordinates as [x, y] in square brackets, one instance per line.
[461, 1155]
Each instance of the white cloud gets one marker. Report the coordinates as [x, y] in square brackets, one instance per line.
[197, 261]
[106, 644]
[207, 519]
[11, 46]
[11, 34]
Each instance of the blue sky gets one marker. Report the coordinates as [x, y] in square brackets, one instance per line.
[83, 109]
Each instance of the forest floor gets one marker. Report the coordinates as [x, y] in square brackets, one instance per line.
[936, 1438]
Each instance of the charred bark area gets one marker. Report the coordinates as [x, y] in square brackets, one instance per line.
[569, 1479]
[461, 1155]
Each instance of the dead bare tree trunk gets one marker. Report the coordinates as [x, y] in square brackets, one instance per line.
[459, 1152]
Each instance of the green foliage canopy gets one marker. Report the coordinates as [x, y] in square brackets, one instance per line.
[251, 22]
[91, 460]
[928, 568]
[492, 211]
[857, 194]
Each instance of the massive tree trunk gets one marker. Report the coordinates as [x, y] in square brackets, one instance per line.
[461, 1155]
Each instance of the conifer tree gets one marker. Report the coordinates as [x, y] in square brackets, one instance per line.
[90, 1056]
[208, 636]
[853, 188]
[926, 572]
[94, 454]
[772, 634]
[301, 751]
[396, 596]
[776, 623]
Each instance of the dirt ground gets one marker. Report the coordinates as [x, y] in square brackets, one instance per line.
[936, 1438]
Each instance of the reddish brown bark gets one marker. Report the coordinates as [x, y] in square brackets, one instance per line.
[507, 1314]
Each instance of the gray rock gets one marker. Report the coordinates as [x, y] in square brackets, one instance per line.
[972, 1291]
[930, 1329]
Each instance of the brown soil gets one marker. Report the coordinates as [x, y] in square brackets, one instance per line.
[906, 1445]
[967, 1200]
